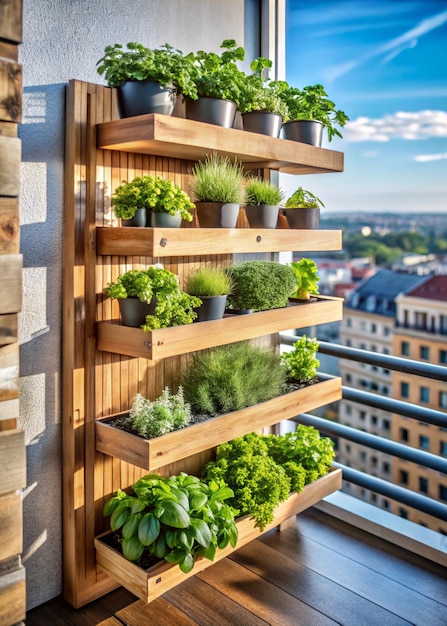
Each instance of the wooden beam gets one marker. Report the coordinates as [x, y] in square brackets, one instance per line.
[9, 372]
[10, 155]
[8, 329]
[11, 525]
[10, 91]
[9, 226]
[11, 273]
[12, 461]
[11, 20]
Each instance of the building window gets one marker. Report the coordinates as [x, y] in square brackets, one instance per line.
[348, 343]
[348, 322]
[403, 477]
[348, 378]
[404, 390]
[348, 448]
[386, 331]
[443, 492]
[424, 352]
[362, 415]
[403, 434]
[373, 328]
[363, 456]
[386, 504]
[373, 498]
[403, 513]
[374, 386]
[424, 394]
[386, 372]
[348, 409]
[420, 320]
[423, 484]
[386, 424]
[374, 420]
[362, 325]
[443, 357]
[386, 467]
[424, 442]
[443, 399]
[385, 391]
[405, 348]
[443, 448]
[443, 324]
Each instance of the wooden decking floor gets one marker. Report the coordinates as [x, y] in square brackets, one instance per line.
[320, 572]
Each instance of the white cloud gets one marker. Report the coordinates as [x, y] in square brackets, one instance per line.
[400, 125]
[425, 158]
[370, 154]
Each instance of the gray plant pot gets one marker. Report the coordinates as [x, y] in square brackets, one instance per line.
[262, 215]
[217, 214]
[308, 218]
[211, 111]
[133, 312]
[139, 97]
[262, 122]
[305, 131]
[165, 220]
[138, 220]
[212, 308]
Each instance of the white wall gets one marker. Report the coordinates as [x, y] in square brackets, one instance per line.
[63, 39]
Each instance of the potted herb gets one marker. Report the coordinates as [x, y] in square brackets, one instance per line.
[232, 377]
[166, 413]
[309, 112]
[262, 470]
[217, 84]
[262, 200]
[212, 285]
[168, 203]
[306, 277]
[260, 103]
[217, 188]
[157, 287]
[261, 285]
[178, 519]
[301, 363]
[147, 80]
[302, 209]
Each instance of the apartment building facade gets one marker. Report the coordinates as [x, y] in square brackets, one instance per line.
[421, 334]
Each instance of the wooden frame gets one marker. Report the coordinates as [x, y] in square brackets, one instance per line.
[99, 382]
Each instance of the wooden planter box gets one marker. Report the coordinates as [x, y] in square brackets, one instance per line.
[150, 584]
[151, 454]
[160, 242]
[165, 342]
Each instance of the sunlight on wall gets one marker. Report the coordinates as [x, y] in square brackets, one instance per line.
[32, 405]
[33, 193]
[34, 107]
[33, 319]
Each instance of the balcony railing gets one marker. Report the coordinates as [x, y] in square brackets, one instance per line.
[425, 415]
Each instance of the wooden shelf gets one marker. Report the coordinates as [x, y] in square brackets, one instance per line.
[152, 583]
[151, 454]
[179, 138]
[159, 242]
[165, 342]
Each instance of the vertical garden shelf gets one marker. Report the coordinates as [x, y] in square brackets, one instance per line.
[106, 364]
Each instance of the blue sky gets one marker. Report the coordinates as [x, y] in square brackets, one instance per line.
[385, 65]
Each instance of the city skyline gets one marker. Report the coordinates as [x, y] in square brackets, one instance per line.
[382, 63]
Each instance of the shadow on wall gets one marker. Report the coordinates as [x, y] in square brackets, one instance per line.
[41, 214]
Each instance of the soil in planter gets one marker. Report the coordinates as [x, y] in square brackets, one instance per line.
[113, 540]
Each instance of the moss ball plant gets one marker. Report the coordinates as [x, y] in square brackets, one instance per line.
[232, 377]
[261, 285]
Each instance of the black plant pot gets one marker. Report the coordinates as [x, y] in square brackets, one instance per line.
[211, 110]
[305, 131]
[307, 218]
[217, 214]
[262, 215]
[138, 97]
[165, 220]
[212, 308]
[138, 220]
[133, 312]
[262, 122]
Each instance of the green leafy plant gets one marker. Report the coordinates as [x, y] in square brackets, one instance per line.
[209, 281]
[178, 519]
[214, 75]
[301, 363]
[302, 199]
[306, 278]
[263, 469]
[156, 193]
[261, 285]
[167, 413]
[217, 179]
[312, 103]
[259, 93]
[260, 191]
[232, 377]
[173, 306]
[165, 65]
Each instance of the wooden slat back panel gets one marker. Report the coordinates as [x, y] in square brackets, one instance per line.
[98, 383]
